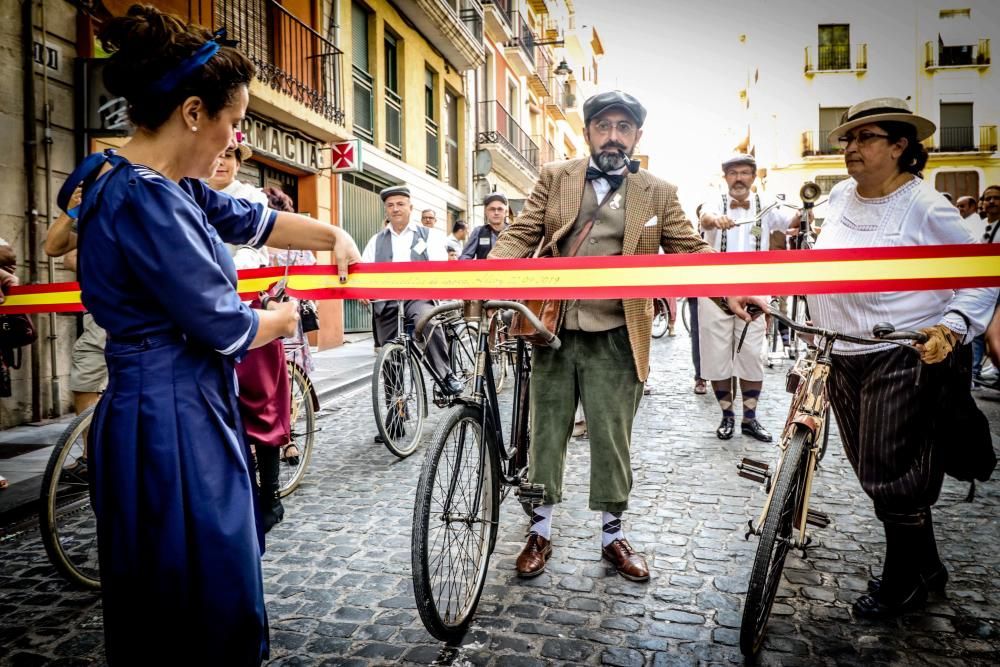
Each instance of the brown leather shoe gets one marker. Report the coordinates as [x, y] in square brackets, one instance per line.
[629, 564]
[531, 560]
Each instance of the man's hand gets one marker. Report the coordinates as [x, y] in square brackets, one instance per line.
[345, 252]
[7, 279]
[738, 306]
[8, 258]
[940, 342]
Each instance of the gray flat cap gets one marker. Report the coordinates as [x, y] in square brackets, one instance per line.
[393, 190]
[601, 102]
[742, 158]
[495, 196]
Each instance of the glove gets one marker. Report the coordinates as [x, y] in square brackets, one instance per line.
[940, 342]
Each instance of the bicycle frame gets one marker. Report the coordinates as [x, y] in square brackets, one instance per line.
[413, 347]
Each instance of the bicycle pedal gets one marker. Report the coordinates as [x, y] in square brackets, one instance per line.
[530, 493]
[817, 518]
[755, 471]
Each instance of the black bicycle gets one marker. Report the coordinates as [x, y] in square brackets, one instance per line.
[467, 472]
[399, 393]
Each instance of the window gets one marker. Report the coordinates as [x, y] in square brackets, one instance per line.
[364, 96]
[451, 138]
[430, 123]
[956, 38]
[826, 183]
[835, 46]
[955, 130]
[829, 118]
[958, 183]
[393, 100]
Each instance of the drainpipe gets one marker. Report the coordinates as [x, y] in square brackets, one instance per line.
[30, 167]
[47, 111]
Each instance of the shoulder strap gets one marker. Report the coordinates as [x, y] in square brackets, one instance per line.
[589, 225]
[993, 234]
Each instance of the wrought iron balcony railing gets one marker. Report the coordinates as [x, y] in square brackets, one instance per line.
[837, 58]
[937, 56]
[289, 56]
[496, 126]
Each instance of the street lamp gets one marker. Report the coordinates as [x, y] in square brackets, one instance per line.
[563, 71]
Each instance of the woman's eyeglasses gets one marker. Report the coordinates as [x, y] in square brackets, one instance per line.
[863, 138]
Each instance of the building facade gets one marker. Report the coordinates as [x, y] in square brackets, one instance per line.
[935, 55]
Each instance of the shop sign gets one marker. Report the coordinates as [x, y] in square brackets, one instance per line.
[286, 146]
[346, 156]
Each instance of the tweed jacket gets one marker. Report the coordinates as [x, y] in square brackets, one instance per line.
[552, 210]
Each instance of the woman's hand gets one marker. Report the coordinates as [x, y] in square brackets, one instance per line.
[345, 252]
[288, 316]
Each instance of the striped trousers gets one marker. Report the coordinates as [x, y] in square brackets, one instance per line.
[887, 425]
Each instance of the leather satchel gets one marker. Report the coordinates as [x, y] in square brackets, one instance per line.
[549, 311]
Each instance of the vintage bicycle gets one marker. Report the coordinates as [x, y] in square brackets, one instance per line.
[468, 470]
[783, 521]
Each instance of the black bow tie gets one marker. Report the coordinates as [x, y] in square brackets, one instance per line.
[614, 180]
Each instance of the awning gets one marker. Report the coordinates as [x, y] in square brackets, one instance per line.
[957, 31]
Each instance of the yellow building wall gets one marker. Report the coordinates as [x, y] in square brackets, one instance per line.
[415, 54]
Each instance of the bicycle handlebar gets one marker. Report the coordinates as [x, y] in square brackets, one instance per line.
[549, 337]
[898, 337]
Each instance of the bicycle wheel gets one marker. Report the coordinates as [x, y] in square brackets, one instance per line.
[686, 314]
[66, 518]
[775, 540]
[398, 399]
[660, 318]
[454, 523]
[462, 346]
[303, 421]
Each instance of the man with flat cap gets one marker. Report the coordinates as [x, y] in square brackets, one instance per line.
[736, 222]
[405, 241]
[482, 239]
[596, 206]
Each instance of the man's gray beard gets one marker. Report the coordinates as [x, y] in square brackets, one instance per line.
[608, 161]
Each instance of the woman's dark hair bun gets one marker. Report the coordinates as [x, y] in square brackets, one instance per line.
[145, 44]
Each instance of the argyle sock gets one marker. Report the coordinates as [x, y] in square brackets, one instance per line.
[724, 395]
[541, 521]
[612, 528]
[751, 393]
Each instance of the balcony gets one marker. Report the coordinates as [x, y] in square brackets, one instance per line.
[937, 56]
[837, 58]
[497, 15]
[288, 55]
[815, 143]
[560, 100]
[520, 50]
[454, 27]
[515, 155]
[964, 140]
[546, 151]
[539, 78]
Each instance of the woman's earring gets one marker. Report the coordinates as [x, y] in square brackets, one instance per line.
[194, 128]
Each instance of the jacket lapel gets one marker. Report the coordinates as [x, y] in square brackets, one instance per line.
[638, 211]
[570, 197]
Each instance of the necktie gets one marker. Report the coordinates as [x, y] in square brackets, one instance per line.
[614, 180]
[735, 203]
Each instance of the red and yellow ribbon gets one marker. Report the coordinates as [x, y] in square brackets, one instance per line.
[638, 276]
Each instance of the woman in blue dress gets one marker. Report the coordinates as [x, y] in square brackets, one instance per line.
[172, 482]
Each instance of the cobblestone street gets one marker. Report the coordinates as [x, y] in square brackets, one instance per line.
[337, 570]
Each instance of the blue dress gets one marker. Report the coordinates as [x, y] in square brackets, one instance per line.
[171, 478]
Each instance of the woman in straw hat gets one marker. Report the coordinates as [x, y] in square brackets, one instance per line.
[888, 401]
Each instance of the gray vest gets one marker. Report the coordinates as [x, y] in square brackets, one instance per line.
[383, 245]
[606, 237]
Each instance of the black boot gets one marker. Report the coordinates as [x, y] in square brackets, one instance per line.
[902, 586]
[272, 511]
[925, 554]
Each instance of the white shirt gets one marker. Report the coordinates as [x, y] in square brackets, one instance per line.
[975, 226]
[913, 215]
[437, 249]
[741, 238]
[601, 185]
[246, 256]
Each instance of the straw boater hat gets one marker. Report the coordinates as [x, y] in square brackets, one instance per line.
[243, 151]
[878, 110]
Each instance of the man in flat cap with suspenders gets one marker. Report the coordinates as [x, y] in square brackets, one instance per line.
[596, 206]
[482, 239]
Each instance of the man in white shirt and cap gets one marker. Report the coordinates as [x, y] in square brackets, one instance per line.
[739, 221]
[405, 241]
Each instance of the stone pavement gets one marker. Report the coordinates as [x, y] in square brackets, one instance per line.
[337, 570]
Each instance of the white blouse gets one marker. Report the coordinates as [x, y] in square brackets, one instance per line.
[913, 215]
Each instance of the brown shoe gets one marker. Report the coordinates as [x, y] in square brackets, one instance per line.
[531, 560]
[629, 564]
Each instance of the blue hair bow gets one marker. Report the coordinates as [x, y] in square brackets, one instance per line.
[172, 79]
